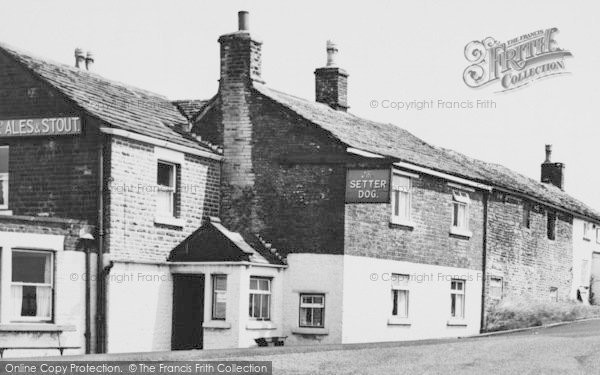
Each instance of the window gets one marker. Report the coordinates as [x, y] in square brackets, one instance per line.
[400, 292]
[587, 231]
[260, 298]
[526, 216]
[496, 288]
[401, 199]
[31, 289]
[3, 177]
[167, 188]
[460, 211]
[551, 225]
[554, 294]
[312, 310]
[597, 235]
[219, 297]
[457, 299]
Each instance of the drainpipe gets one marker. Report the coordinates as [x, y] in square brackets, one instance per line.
[87, 300]
[484, 258]
[99, 259]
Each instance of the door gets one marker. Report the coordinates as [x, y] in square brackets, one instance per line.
[595, 278]
[188, 312]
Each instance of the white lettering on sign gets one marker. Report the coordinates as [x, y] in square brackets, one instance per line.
[368, 186]
[40, 127]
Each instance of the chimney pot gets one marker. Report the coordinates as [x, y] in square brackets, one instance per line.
[548, 154]
[243, 20]
[332, 52]
[79, 57]
[89, 60]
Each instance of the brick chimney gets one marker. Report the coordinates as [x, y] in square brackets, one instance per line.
[240, 67]
[553, 173]
[240, 55]
[331, 81]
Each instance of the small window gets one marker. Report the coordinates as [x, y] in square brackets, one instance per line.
[526, 223]
[457, 298]
[312, 310]
[551, 225]
[400, 294]
[460, 210]
[496, 288]
[554, 294]
[260, 298]
[3, 177]
[401, 199]
[167, 189]
[219, 302]
[31, 289]
[587, 231]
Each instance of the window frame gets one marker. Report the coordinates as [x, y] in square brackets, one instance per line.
[173, 189]
[460, 199]
[400, 282]
[4, 181]
[35, 319]
[454, 292]
[312, 306]
[551, 216]
[526, 218]
[407, 218]
[216, 292]
[587, 229]
[260, 292]
[553, 294]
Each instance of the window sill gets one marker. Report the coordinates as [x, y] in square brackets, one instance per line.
[310, 331]
[402, 224]
[216, 324]
[36, 327]
[456, 323]
[396, 321]
[587, 239]
[461, 232]
[4, 212]
[171, 221]
[260, 325]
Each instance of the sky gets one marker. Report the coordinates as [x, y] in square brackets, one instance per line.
[394, 51]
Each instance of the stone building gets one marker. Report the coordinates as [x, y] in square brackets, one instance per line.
[256, 216]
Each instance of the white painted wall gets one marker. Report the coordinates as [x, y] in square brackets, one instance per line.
[313, 273]
[69, 295]
[368, 304]
[582, 250]
[139, 308]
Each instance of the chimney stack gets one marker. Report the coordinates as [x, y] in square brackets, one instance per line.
[89, 60]
[79, 58]
[240, 54]
[553, 173]
[331, 81]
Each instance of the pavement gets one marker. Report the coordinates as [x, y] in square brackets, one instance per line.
[572, 348]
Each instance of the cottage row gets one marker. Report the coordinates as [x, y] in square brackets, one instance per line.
[256, 216]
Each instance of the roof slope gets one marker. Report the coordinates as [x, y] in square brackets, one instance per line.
[119, 105]
[394, 142]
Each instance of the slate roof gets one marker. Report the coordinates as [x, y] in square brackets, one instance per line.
[392, 141]
[190, 108]
[118, 105]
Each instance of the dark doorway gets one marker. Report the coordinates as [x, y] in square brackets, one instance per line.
[188, 312]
